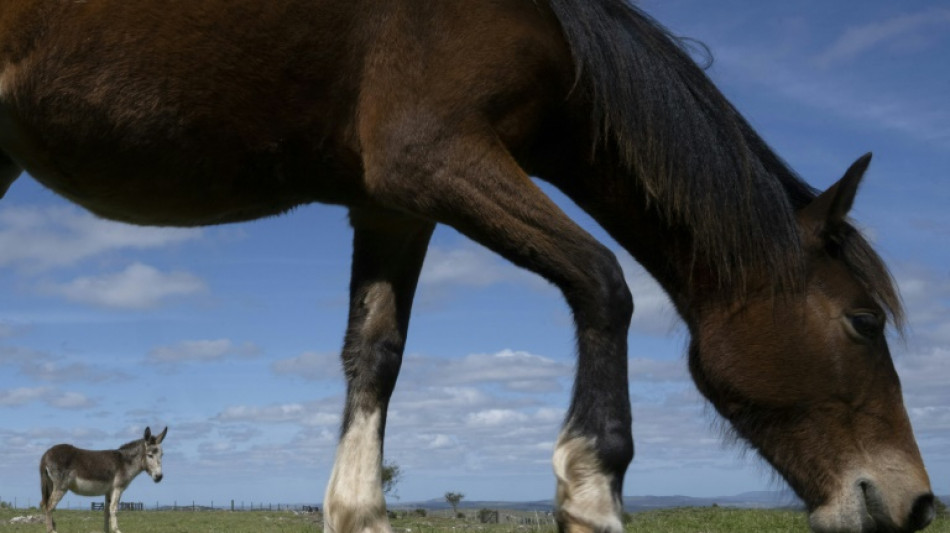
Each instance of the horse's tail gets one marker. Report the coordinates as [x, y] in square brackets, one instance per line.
[658, 118]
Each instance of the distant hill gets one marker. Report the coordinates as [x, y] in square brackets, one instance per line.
[747, 500]
[631, 504]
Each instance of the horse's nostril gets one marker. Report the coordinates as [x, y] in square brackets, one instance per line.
[158, 478]
[922, 513]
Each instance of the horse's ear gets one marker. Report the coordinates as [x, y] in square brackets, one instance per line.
[830, 208]
[148, 433]
[161, 436]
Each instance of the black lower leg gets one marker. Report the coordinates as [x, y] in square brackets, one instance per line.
[600, 406]
[388, 251]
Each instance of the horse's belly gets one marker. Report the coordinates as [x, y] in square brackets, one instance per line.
[178, 137]
[190, 180]
[89, 487]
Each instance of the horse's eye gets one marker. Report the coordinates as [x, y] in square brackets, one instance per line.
[867, 325]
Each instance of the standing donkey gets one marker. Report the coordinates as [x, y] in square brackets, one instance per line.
[91, 473]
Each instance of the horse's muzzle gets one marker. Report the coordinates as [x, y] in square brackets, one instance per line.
[157, 478]
[867, 509]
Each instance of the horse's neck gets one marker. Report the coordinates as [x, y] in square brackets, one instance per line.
[665, 252]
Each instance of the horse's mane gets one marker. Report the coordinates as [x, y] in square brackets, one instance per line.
[700, 163]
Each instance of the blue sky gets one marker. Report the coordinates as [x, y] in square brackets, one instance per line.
[230, 335]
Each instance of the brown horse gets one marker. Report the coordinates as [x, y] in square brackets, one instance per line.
[414, 113]
[101, 472]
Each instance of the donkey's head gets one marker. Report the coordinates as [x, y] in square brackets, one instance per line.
[153, 453]
[806, 378]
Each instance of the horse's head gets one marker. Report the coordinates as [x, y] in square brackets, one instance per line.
[153, 453]
[806, 378]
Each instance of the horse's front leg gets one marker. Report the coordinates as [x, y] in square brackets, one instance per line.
[596, 444]
[388, 250]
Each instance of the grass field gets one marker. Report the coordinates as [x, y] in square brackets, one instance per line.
[685, 520]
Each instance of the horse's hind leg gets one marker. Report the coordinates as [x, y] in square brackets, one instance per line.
[469, 181]
[388, 250]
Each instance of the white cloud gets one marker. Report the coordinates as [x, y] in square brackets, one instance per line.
[513, 370]
[7, 330]
[439, 441]
[43, 366]
[926, 372]
[39, 238]
[861, 39]
[311, 366]
[14, 355]
[54, 371]
[411, 399]
[924, 376]
[470, 265]
[653, 312]
[926, 296]
[658, 371]
[22, 396]
[201, 351]
[496, 417]
[312, 414]
[917, 112]
[276, 413]
[70, 400]
[26, 395]
[139, 286]
[474, 266]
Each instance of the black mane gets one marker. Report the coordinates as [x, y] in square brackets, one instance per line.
[701, 164]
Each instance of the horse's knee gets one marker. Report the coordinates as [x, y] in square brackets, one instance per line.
[612, 285]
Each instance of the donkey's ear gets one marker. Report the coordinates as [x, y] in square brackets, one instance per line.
[148, 432]
[830, 208]
[161, 436]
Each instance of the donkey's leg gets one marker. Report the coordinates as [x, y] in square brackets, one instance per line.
[469, 181]
[111, 509]
[55, 495]
[107, 511]
[388, 250]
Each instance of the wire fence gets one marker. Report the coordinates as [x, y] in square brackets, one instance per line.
[193, 506]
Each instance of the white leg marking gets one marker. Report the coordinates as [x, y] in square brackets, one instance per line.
[584, 499]
[111, 509]
[354, 500]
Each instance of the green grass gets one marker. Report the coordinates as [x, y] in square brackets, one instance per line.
[170, 522]
[685, 520]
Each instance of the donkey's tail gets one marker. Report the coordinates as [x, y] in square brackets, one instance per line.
[46, 484]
